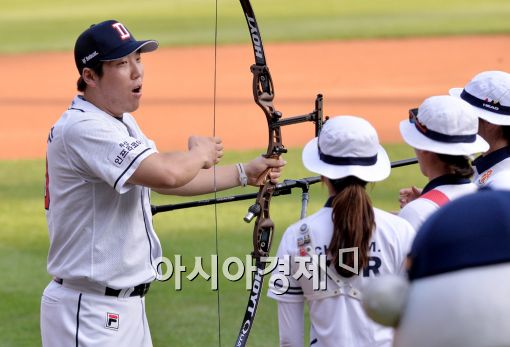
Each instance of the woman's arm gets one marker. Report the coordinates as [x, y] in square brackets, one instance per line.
[291, 324]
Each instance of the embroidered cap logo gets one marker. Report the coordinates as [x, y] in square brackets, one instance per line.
[121, 29]
[491, 104]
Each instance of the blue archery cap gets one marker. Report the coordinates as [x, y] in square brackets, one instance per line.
[471, 231]
[106, 41]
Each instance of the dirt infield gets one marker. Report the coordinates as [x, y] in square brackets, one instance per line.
[379, 80]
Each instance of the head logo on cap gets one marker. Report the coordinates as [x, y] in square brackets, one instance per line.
[489, 93]
[492, 104]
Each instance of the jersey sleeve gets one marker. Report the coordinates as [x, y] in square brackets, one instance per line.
[99, 152]
[291, 324]
[406, 238]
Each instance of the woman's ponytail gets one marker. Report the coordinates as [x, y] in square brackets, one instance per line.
[353, 223]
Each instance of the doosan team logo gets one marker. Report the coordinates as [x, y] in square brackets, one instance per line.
[90, 57]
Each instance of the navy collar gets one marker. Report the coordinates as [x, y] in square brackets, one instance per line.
[444, 180]
[485, 162]
[329, 202]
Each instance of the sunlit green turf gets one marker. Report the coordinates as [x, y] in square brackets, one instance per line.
[187, 317]
[32, 25]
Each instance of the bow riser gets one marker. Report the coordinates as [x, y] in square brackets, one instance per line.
[263, 94]
[264, 226]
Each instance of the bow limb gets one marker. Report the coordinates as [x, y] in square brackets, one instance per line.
[263, 94]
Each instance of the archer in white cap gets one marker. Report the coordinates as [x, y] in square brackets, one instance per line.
[443, 133]
[489, 94]
[348, 236]
[101, 169]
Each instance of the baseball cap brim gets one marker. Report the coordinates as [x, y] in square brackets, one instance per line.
[488, 116]
[130, 47]
[417, 140]
[372, 173]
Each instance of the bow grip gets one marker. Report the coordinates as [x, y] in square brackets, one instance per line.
[263, 237]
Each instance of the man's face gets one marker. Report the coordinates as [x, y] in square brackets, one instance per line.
[120, 86]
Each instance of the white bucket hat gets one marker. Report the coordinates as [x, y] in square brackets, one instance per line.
[347, 146]
[443, 124]
[489, 93]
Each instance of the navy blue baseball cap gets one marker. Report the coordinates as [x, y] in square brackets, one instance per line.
[471, 231]
[106, 41]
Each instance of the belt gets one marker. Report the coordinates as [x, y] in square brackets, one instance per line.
[139, 290]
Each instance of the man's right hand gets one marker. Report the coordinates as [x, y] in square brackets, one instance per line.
[208, 148]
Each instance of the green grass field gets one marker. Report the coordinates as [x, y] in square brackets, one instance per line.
[187, 317]
[191, 317]
[32, 25]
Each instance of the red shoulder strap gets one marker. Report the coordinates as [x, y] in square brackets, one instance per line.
[436, 196]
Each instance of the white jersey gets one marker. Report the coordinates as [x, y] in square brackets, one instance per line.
[336, 319]
[493, 169]
[436, 193]
[100, 226]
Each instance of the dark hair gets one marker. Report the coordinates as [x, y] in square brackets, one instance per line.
[353, 223]
[97, 68]
[459, 165]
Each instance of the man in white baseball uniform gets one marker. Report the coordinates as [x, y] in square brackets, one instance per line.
[100, 172]
[489, 94]
[443, 133]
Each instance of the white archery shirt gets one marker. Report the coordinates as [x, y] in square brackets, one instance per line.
[493, 169]
[419, 210]
[100, 226]
[338, 320]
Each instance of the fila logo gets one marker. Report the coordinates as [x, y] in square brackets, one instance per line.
[112, 321]
[121, 29]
